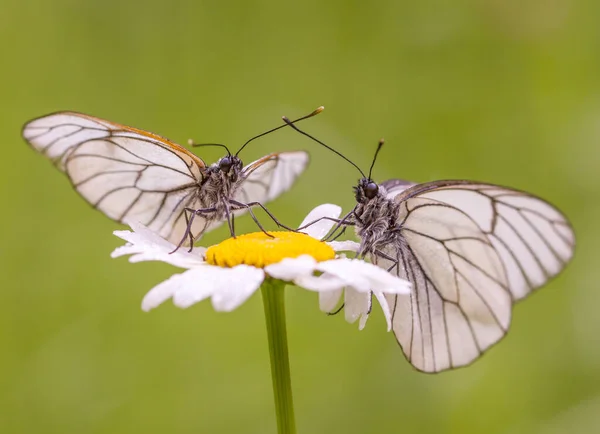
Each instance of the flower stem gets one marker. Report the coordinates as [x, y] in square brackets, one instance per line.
[273, 296]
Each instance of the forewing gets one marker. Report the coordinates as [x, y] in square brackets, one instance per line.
[471, 250]
[272, 175]
[57, 134]
[126, 173]
[394, 187]
[534, 239]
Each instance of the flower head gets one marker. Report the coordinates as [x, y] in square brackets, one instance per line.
[230, 272]
[261, 250]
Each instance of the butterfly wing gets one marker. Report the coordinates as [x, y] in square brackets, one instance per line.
[394, 187]
[127, 173]
[471, 251]
[270, 176]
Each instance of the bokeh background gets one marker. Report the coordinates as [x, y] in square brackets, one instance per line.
[502, 91]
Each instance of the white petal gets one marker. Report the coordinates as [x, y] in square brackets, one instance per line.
[196, 288]
[347, 270]
[140, 232]
[145, 245]
[291, 268]
[344, 246]
[329, 300]
[363, 276]
[322, 227]
[324, 282]
[385, 307]
[235, 285]
[357, 305]
[191, 280]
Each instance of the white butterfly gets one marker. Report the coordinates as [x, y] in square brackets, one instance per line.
[130, 174]
[470, 249]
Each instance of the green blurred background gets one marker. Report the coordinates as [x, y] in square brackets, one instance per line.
[502, 91]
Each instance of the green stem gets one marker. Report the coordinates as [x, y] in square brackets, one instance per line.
[273, 296]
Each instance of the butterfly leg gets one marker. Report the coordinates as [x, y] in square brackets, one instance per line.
[190, 214]
[341, 223]
[338, 310]
[317, 221]
[229, 216]
[344, 221]
[332, 236]
[395, 262]
[188, 227]
[248, 206]
[370, 303]
[342, 232]
[264, 208]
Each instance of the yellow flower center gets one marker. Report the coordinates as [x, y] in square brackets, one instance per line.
[259, 250]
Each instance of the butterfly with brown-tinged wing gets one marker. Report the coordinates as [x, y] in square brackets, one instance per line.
[134, 175]
[470, 250]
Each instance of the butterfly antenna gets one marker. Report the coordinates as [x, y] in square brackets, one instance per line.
[195, 145]
[290, 123]
[310, 115]
[381, 142]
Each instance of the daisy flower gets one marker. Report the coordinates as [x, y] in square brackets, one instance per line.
[230, 272]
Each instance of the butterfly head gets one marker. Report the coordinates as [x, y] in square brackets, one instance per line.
[366, 190]
[230, 166]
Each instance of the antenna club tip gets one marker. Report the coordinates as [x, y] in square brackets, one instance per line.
[318, 110]
[190, 142]
[381, 141]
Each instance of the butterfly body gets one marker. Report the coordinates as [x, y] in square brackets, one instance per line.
[221, 181]
[375, 219]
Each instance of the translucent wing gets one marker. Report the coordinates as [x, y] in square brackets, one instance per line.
[471, 251]
[124, 172]
[267, 178]
[396, 186]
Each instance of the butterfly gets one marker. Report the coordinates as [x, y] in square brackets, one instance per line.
[470, 250]
[131, 174]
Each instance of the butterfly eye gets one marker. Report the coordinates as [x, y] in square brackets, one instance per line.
[225, 164]
[371, 190]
